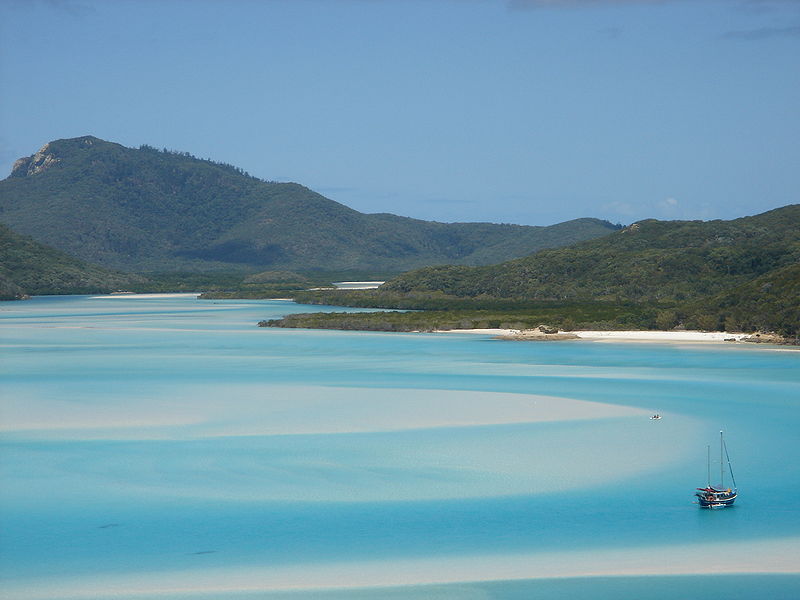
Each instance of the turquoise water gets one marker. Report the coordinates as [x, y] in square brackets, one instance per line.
[155, 437]
[731, 587]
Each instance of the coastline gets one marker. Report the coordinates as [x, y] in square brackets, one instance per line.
[714, 337]
[144, 296]
[663, 336]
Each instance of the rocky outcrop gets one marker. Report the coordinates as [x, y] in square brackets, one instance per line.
[31, 165]
[771, 338]
[541, 333]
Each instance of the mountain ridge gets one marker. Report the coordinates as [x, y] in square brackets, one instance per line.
[149, 210]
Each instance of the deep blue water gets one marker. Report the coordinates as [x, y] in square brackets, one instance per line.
[86, 497]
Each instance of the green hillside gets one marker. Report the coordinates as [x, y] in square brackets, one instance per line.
[150, 210]
[650, 261]
[768, 303]
[740, 275]
[10, 290]
[27, 267]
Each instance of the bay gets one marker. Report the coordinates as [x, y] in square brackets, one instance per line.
[163, 446]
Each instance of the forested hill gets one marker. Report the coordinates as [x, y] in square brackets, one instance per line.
[647, 261]
[768, 303]
[150, 210]
[27, 267]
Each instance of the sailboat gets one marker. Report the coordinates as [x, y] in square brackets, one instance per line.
[718, 496]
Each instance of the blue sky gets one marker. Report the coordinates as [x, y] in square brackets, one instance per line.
[516, 111]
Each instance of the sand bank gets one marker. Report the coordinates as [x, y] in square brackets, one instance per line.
[337, 444]
[289, 410]
[766, 556]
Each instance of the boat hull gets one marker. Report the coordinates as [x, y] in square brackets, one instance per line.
[715, 499]
[717, 496]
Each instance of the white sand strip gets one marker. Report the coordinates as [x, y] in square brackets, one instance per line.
[766, 556]
[358, 285]
[661, 336]
[626, 336]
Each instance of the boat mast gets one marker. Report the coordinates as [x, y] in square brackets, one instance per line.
[708, 466]
[721, 469]
[730, 467]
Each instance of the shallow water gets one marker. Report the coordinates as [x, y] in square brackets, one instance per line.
[731, 587]
[155, 438]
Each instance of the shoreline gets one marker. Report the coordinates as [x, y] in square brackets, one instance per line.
[539, 334]
[143, 296]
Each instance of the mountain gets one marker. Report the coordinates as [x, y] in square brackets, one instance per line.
[27, 267]
[652, 261]
[150, 210]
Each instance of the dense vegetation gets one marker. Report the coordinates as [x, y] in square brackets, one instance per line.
[146, 210]
[193, 224]
[768, 303]
[650, 261]
[27, 267]
[10, 290]
[740, 275]
[440, 312]
[267, 284]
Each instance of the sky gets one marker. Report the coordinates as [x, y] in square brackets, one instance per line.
[508, 111]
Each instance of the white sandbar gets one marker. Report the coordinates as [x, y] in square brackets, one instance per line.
[766, 557]
[281, 410]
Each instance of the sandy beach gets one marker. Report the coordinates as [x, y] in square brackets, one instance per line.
[662, 336]
[613, 336]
